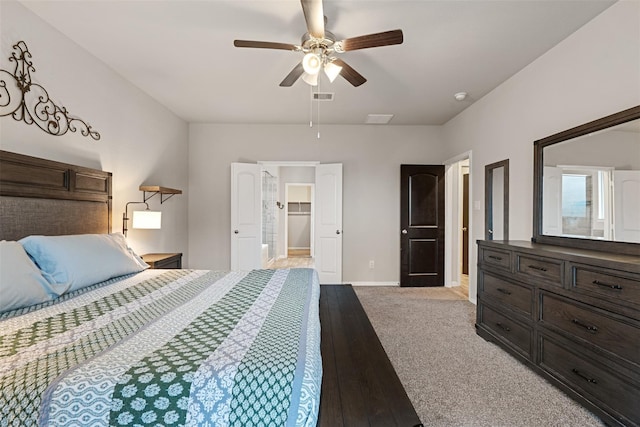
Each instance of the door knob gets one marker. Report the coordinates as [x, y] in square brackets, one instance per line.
[337, 231]
[404, 231]
[464, 228]
[236, 231]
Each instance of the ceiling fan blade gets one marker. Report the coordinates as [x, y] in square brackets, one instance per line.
[385, 38]
[264, 45]
[293, 76]
[314, 15]
[351, 75]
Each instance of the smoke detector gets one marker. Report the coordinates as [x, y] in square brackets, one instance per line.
[460, 96]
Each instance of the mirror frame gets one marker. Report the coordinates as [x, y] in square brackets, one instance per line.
[488, 199]
[629, 248]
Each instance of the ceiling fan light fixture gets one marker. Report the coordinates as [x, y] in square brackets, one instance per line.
[332, 70]
[310, 79]
[311, 63]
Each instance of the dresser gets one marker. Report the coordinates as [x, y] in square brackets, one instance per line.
[571, 315]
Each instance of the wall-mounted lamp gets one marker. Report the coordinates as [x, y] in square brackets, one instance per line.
[141, 219]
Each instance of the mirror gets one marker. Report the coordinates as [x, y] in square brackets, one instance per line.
[496, 196]
[587, 185]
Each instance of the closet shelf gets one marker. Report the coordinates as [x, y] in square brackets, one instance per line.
[156, 189]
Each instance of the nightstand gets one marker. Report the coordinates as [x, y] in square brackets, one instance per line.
[163, 260]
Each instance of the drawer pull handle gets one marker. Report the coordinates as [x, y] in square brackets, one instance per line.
[583, 376]
[607, 285]
[497, 258]
[504, 291]
[535, 267]
[590, 328]
[504, 328]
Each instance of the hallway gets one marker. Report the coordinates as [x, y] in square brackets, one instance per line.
[295, 260]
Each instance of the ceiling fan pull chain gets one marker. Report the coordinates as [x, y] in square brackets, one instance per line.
[318, 91]
[310, 106]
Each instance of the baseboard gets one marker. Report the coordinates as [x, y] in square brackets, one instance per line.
[375, 284]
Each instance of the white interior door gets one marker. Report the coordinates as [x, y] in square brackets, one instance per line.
[626, 186]
[328, 223]
[246, 216]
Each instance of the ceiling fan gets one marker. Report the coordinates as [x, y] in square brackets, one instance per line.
[320, 47]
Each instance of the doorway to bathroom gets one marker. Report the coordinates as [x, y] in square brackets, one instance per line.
[248, 238]
[288, 215]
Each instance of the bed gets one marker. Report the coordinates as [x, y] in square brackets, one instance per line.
[145, 347]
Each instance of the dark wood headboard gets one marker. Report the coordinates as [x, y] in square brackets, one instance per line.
[39, 196]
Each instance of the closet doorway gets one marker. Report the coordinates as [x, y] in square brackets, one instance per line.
[299, 220]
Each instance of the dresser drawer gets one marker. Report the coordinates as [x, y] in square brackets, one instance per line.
[602, 386]
[610, 332]
[607, 283]
[514, 296]
[531, 267]
[517, 334]
[496, 257]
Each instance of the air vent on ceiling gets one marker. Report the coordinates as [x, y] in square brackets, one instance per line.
[378, 119]
[322, 96]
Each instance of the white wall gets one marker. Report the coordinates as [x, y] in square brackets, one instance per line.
[593, 73]
[141, 141]
[371, 156]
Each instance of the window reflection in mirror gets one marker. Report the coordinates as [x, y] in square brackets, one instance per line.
[591, 186]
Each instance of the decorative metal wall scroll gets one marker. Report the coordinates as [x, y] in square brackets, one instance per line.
[29, 102]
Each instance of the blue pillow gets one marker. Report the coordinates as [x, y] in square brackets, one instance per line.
[21, 283]
[82, 260]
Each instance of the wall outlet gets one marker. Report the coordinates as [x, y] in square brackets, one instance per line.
[372, 264]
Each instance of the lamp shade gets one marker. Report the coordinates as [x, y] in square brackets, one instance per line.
[310, 79]
[332, 71]
[311, 63]
[147, 219]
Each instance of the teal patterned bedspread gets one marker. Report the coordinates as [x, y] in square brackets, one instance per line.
[168, 348]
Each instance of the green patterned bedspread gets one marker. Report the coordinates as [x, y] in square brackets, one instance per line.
[168, 348]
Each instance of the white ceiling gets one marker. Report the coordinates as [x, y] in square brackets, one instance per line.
[181, 53]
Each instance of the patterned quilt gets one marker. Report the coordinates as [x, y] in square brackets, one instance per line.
[168, 348]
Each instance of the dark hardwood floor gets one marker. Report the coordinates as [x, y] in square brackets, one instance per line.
[359, 385]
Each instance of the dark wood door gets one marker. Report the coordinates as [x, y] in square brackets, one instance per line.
[465, 223]
[422, 225]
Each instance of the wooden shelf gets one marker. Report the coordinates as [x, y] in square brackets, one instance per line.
[156, 189]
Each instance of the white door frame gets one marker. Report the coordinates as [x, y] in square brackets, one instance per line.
[286, 214]
[453, 224]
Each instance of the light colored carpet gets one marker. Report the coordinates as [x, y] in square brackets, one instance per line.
[452, 376]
